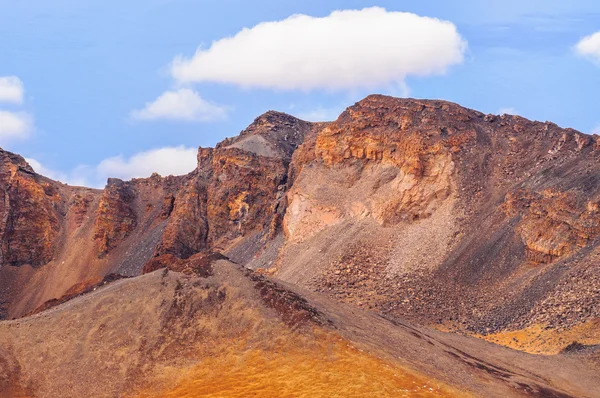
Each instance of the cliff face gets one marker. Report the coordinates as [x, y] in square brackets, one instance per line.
[409, 207]
[58, 239]
[31, 208]
[115, 217]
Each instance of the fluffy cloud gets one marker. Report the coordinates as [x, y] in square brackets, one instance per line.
[345, 50]
[164, 161]
[589, 47]
[596, 130]
[11, 89]
[78, 176]
[37, 166]
[183, 104]
[14, 125]
[321, 114]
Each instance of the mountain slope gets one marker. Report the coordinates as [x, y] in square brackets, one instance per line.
[433, 211]
[233, 332]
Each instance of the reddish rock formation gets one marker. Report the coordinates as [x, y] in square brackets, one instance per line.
[243, 194]
[411, 207]
[30, 207]
[553, 224]
[454, 207]
[236, 192]
[116, 217]
[187, 227]
[199, 264]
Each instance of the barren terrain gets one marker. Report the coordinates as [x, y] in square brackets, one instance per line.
[392, 251]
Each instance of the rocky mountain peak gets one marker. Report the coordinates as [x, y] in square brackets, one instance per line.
[14, 162]
[272, 134]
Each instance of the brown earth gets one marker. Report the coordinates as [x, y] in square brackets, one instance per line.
[236, 333]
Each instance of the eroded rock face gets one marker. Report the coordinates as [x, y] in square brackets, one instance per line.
[553, 224]
[116, 218]
[237, 192]
[243, 194]
[30, 208]
[80, 205]
[187, 227]
[379, 159]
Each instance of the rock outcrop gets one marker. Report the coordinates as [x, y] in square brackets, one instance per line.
[31, 209]
[116, 217]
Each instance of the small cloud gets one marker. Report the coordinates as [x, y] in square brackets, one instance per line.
[37, 166]
[348, 49]
[165, 161]
[77, 177]
[321, 114]
[183, 104]
[11, 89]
[596, 130]
[507, 111]
[589, 47]
[15, 125]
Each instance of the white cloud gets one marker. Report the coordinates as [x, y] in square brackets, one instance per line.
[37, 166]
[183, 104]
[346, 50]
[165, 161]
[74, 177]
[596, 130]
[321, 114]
[14, 125]
[79, 176]
[177, 160]
[589, 47]
[11, 89]
[507, 111]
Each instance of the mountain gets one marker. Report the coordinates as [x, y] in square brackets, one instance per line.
[401, 212]
[57, 238]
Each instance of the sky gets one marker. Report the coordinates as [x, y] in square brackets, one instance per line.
[96, 89]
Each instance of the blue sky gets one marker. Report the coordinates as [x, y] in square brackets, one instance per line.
[89, 68]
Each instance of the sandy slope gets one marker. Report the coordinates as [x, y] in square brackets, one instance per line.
[236, 333]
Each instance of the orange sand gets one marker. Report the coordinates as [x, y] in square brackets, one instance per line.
[539, 340]
[328, 367]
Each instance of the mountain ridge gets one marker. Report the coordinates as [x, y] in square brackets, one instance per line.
[413, 208]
